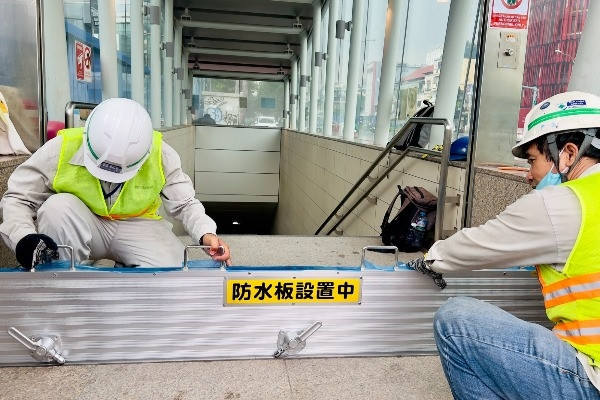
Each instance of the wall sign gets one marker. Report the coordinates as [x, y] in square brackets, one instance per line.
[512, 14]
[291, 291]
[83, 62]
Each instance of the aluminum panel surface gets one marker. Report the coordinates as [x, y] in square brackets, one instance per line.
[179, 315]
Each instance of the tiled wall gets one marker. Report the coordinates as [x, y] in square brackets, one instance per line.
[182, 139]
[317, 172]
[237, 164]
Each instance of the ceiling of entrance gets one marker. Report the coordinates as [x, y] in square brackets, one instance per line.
[243, 38]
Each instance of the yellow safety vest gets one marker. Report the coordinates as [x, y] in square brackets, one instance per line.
[139, 196]
[572, 297]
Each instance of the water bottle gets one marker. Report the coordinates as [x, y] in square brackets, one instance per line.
[417, 231]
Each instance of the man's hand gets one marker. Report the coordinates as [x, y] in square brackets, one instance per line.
[419, 264]
[209, 239]
[34, 249]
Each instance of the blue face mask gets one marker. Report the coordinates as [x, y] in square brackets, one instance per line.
[551, 178]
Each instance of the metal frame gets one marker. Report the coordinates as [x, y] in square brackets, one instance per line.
[97, 315]
[439, 227]
[70, 109]
[43, 115]
[472, 149]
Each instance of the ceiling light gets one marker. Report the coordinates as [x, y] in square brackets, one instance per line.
[297, 24]
[186, 15]
[289, 50]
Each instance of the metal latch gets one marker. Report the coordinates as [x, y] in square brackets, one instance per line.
[292, 343]
[43, 349]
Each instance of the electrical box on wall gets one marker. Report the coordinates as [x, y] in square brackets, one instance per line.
[508, 51]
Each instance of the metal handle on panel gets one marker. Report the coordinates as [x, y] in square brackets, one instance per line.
[43, 349]
[71, 252]
[198, 246]
[375, 248]
[291, 343]
[312, 329]
[48, 257]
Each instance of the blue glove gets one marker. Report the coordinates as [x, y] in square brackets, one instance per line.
[420, 265]
[34, 249]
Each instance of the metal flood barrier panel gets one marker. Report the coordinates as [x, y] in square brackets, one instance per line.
[101, 315]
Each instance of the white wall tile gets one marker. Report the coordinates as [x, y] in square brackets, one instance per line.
[423, 169]
[237, 138]
[354, 150]
[236, 183]
[237, 198]
[339, 164]
[364, 229]
[315, 182]
[366, 212]
[456, 178]
[369, 154]
[353, 169]
[237, 161]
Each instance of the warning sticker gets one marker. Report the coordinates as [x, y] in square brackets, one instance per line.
[512, 14]
[83, 62]
[290, 291]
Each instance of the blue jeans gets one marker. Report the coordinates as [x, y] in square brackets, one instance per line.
[488, 353]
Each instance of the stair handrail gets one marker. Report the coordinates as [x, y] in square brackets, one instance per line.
[445, 153]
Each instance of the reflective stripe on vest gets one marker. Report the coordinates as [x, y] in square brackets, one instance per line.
[139, 196]
[580, 332]
[571, 289]
[572, 296]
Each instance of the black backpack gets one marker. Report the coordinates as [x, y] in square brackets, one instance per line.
[419, 135]
[414, 199]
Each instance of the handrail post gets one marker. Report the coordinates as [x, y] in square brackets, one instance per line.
[439, 215]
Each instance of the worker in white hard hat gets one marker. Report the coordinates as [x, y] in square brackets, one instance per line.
[488, 353]
[98, 189]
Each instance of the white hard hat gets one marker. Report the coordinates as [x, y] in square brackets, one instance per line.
[563, 112]
[117, 140]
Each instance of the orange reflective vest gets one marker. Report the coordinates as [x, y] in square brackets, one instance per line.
[139, 196]
[572, 297]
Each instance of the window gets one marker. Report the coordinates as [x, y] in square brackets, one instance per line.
[237, 102]
[368, 89]
[81, 20]
[341, 74]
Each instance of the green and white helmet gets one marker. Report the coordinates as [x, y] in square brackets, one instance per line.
[569, 111]
[117, 140]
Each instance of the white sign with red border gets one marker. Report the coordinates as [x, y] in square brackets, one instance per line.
[83, 62]
[512, 14]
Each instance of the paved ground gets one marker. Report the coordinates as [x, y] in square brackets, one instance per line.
[418, 378]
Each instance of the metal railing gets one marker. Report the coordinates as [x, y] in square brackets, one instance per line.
[442, 180]
[70, 111]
